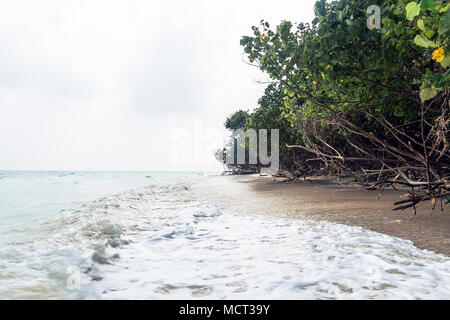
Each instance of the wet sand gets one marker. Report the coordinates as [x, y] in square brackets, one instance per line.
[322, 200]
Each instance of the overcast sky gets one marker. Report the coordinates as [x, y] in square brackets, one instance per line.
[126, 85]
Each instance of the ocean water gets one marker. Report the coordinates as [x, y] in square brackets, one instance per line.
[137, 235]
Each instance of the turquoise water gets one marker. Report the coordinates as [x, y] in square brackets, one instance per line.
[49, 219]
[32, 198]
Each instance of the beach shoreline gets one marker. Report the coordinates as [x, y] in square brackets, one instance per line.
[322, 200]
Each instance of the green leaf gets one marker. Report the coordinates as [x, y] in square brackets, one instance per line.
[446, 61]
[427, 5]
[422, 41]
[412, 10]
[443, 29]
[429, 33]
[445, 25]
[427, 94]
[420, 24]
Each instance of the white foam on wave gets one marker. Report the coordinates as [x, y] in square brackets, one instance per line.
[194, 251]
[161, 242]
[35, 260]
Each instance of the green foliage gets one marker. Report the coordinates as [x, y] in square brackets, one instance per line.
[412, 10]
[345, 86]
[270, 115]
[427, 5]
[432, 25]
[236, 120]
[422, 40]
[338, 61]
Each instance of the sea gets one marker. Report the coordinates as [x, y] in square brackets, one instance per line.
[146, 235]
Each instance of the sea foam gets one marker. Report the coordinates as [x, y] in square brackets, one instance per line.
[159, 241]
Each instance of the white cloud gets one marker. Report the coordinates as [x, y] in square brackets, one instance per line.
[101, 85]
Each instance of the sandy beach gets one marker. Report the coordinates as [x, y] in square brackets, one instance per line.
[322, 200]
